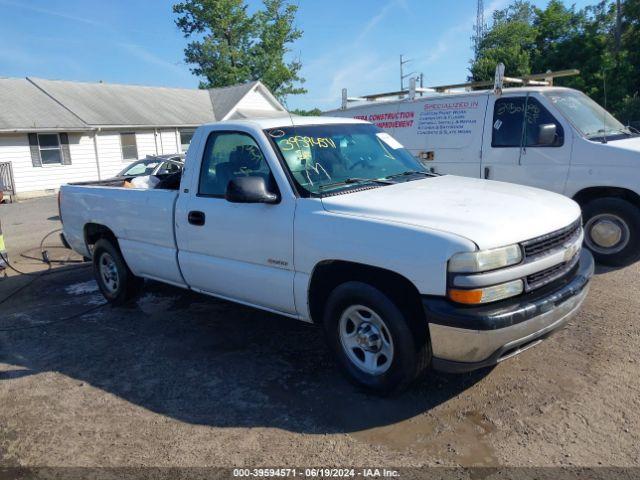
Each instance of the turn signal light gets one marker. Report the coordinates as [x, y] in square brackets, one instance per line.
[487, 294]
[466, 296]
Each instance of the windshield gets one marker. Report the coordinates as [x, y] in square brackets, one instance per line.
[142, 167]
[329, 157]
[587, 116]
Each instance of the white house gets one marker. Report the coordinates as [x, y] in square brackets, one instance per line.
[54, 132]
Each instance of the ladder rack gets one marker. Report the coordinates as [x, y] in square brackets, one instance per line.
[536, 79]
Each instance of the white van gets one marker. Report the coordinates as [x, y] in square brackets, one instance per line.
[565, 142]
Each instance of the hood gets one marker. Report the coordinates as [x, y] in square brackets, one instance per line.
[631, 144]
[624, 152]
[489, 213]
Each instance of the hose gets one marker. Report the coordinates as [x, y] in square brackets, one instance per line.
[34, 275]
[60, 320]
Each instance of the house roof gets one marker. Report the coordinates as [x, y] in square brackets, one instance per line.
[24, 107]
[37, 104]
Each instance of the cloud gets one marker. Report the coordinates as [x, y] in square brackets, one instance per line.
[139, 52]
[451, 38]
[53, 13]
[376, 19]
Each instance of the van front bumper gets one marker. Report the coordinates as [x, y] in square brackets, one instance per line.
[467, 338]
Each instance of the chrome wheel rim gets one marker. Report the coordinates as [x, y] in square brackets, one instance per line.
[109, 273]
[606, 233]
[366, 340]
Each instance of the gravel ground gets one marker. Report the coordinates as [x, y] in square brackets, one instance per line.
[181, 379]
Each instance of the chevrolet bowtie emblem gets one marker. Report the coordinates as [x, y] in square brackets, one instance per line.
[570, 252]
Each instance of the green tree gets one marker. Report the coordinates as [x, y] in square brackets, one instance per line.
[529, 39]
[510, 40]
[314, 112]
[230, 46]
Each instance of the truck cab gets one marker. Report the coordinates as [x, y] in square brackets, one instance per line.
[547, 137]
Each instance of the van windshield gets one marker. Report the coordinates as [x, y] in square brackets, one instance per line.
[591, 120]
[323, 158]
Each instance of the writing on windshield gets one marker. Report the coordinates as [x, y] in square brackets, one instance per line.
[340, 155]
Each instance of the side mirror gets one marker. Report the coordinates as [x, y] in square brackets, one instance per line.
[547, 134]
[249, 190]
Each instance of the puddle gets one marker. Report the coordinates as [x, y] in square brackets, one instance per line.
[82, 288]
[152, 304]
[414, 434]
[450, 439]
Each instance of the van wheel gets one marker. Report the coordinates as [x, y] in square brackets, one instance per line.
[372, 339]
[115, 280]
[612, 231]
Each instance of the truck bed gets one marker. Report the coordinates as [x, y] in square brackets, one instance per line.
[142, 220]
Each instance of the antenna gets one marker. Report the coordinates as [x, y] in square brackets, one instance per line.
[604, 112]
[479, 27]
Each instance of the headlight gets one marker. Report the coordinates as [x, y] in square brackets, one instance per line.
[485, 260]
[487, 294]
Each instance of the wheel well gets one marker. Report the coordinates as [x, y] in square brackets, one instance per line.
[586, 195]
[328, 275]
[94, 232]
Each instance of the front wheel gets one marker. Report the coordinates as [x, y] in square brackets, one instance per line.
[612, 231]
[372, 338]
[115, 280]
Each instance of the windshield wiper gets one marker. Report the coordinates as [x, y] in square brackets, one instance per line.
[609, 131]
[411, 172]
[353, 180]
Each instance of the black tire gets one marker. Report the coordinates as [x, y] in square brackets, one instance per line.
[624, 215]
[409, 358]
[126, 285]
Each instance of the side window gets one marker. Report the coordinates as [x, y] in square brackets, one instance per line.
[129, 146]
[538, 118]
[228, 155]
[168, 167]
[509, 121]
[508, 115]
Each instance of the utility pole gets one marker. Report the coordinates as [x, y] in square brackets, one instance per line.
[403, 75]
[618, 24]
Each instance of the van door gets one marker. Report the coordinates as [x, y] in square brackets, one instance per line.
[525, 143]
[241, 251]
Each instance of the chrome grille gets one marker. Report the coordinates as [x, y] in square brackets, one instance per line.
[547, 243]
[544, 277]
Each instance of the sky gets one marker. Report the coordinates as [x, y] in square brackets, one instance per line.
[353, 44]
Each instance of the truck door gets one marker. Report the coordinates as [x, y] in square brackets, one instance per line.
[526, 148]
[241, 251]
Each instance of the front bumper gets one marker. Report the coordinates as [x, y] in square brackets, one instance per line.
[468, 338]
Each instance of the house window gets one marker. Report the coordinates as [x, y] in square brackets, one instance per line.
[49, 145]
[185, 138]
[129, 146]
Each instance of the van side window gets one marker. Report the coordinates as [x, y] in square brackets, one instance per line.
[228, 155]
[511, 126]
[508, 115]
[537, 118]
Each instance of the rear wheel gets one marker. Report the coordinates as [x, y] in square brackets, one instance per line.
[115, 280]
[372, 338]
[612, 231]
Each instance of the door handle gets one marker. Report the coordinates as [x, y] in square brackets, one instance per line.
[196, 218]
[487, 172]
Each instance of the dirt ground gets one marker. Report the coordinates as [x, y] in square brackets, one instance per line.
[180, 379]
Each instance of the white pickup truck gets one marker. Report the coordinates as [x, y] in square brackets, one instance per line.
[331, 221]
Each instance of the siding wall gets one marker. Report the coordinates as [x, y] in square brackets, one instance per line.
[146, 143]
[168, 141]
[254, 100]
[14, 148]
